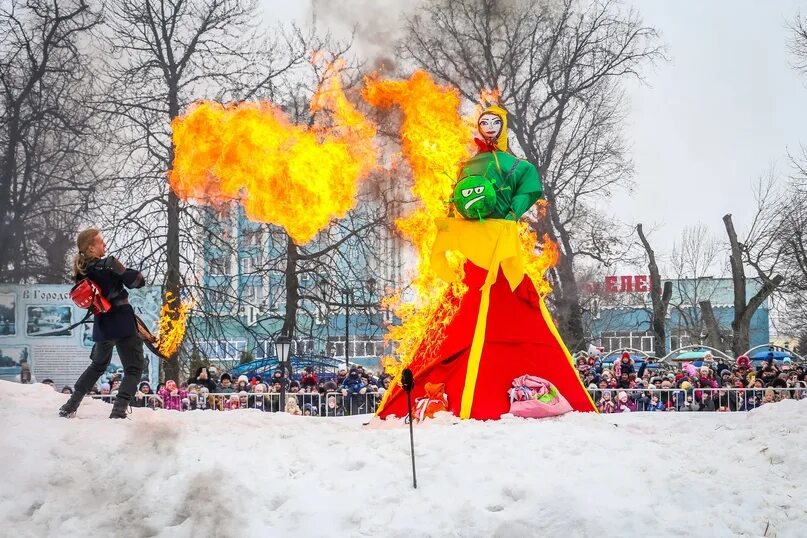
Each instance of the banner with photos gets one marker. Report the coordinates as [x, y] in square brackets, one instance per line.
[30, 353]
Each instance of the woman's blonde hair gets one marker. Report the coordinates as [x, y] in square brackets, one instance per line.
[83, 242]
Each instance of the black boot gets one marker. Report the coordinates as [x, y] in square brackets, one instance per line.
[68, 410]
[119, 408]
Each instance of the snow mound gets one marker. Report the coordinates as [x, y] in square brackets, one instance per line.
[246, 473]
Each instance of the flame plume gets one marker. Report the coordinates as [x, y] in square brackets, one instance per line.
[435, 141]
[290, 175]
[172, 324]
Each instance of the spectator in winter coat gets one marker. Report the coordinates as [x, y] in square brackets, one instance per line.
[768, 371]
[277, 377]
[606, 405]
[143, 396]
[333, 408]
[707, 403]
[172, 396]
[353, 384]
[624, 365]
[242, 385]
[225, 384]
[690, 404]
[624, 404]
[291, 406]
[203, 379]
[258, 399]
[341, 376]
[309, 378]
[655, 404]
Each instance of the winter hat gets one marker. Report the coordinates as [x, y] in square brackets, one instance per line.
[144, 384]
[171, 384]
[226, 376]
[686, 385]
[105, 386]
[623, 395]
[743, 361]
[243, 378]
[625, 354]
[592, 387]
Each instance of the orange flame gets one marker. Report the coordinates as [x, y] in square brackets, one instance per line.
[435, 141]
[296, 177]
[172, 324]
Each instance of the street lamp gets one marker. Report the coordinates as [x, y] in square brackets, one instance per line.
[282, 348]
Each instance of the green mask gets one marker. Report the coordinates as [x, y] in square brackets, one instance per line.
[474, 197]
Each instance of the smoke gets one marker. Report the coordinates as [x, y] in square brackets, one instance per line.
[378, 25]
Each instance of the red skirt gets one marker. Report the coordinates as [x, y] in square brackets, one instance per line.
[518, 341]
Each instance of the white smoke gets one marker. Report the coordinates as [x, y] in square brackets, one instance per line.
[376, 25]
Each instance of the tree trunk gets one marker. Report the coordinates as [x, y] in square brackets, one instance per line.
[171, 286]
[744, 310]
[714, 335]
[567, 299]
[659, 318]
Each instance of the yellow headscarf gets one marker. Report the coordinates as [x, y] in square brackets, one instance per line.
[501, 141]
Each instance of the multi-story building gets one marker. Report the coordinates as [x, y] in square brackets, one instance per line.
[620, 312]
[340, 277]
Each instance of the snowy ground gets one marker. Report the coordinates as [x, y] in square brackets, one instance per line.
[245, 473]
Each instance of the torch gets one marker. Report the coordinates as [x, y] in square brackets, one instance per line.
[408, 383]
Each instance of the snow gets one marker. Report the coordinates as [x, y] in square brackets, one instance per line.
[246, 473]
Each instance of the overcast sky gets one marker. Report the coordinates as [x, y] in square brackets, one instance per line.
[722, 111]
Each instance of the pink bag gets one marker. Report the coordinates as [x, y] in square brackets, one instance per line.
[535, 397]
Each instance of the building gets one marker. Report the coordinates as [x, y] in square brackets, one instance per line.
[620, 311]
[242, 287]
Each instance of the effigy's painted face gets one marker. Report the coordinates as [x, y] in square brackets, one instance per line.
[474, 197]
[490, 126]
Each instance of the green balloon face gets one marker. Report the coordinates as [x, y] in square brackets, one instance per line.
[474, 197]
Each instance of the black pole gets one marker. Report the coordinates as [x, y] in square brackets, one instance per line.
[347, 333]
[408, 383]
[282, 386]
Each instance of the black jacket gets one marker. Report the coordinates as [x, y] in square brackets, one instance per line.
[112, 276]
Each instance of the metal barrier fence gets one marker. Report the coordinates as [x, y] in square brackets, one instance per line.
[331, 404]
[335, 404]
[695, 399]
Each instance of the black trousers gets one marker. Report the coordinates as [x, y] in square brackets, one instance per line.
[130, 351]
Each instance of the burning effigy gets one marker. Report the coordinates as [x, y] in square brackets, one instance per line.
[482, 324]
[479, 320]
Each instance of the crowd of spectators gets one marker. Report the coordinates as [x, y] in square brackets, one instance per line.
[714, 385]
[347, 392]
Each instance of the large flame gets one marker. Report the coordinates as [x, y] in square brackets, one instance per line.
[173, 319]
[436, 141]
[294, 176]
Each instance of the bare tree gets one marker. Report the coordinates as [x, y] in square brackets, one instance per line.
[558, 66]
[761, 251]
[798, 42]
[162, 57]
[47, 135]
[660, 298]
[693, 262]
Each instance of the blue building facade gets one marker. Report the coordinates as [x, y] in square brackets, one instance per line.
[242, 290]
[622, 318]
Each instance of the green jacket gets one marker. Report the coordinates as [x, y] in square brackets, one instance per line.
[518, 185]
